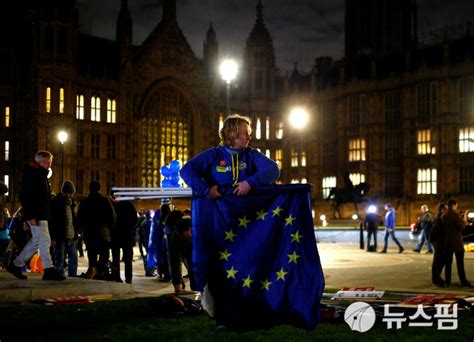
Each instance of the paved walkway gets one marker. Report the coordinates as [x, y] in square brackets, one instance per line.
[344, 265]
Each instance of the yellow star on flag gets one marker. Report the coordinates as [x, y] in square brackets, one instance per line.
[243, 222]
[225, 255]
[230, 235]
[289, 220]
[281, 274]
[296, 236]
[261, 215]
[266, 284]
[276, 212]
[247, 282]
[231, 273]
[293, 257]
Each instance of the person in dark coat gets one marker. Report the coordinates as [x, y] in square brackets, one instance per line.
[180, 252]
[437, 239]
[63, 229]
[96, 216]
[123, 237]
[35, 198]
[453, 227]
[371, 224]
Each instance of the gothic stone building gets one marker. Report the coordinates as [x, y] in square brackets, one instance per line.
[394, 113]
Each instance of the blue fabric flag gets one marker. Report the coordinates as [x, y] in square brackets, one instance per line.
[258, 252]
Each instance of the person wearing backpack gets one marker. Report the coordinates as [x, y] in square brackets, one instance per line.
[426, 221]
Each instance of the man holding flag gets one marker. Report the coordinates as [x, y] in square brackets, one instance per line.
[257, 254]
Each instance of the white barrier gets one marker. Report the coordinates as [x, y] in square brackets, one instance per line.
[131, 194]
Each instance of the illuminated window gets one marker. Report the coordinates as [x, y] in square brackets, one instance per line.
[279, 158]
[258, 129]
[357, 178]
[427, 99]
[466, 139]
[221, 122]
[7, 116]
[6, 181]
[80, 107]
[267, 128]
[424, 142]
[95, 108]
[356, 149]
[111, 111]
[267, 153]
[279, 130]
[7, 150]
[61, 100]
[165, 135]
[466, 96]
[48, 100]
[303, 158]
[294, 158]
[426, 181]
[328, 184]
[295, 181]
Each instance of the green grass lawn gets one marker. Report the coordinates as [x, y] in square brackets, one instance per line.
[137, 320]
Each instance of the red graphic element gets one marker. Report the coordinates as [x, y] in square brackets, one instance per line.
[222, 163]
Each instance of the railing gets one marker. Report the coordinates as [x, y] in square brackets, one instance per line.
[131, 194]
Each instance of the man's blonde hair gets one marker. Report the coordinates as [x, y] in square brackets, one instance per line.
[230, 129]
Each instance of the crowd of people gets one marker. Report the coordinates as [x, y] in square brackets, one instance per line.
[442, 233]
[53, 227]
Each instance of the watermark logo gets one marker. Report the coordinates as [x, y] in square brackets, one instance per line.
[360, 316]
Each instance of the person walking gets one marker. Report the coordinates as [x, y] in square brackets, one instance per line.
[371, 224]
[123, 238]
[437, 238]
[35, 199]
[453, 227]
[390, 220]
[426, 221]
[63, 229]
[96, 216]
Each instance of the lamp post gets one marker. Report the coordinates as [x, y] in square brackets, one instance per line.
[228, 70]
[62, 137]
[299, 118]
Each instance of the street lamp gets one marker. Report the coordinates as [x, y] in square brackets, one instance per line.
[62, 137]
[299, 117]
[228, 70]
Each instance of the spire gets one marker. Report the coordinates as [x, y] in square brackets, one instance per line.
[259, 12]
[211, 34]
[169, 10]
[211, 47]
[124, 30]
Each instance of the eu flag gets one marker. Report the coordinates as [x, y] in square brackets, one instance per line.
[258, 255]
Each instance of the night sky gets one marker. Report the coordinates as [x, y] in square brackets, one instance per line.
[301, 29]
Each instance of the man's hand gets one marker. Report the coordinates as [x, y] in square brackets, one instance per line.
[242, 188]
[53, 243]
[213, 193]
